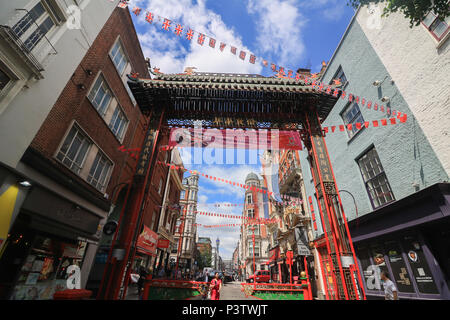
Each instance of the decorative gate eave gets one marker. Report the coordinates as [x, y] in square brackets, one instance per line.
[272, 103]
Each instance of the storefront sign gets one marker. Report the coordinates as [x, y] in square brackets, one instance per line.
[147, 241]
[419, 265]
[398, 267]
[302, 241]
[49, 205]
[163, 243]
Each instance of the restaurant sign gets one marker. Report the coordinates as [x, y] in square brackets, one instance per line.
[147, 241]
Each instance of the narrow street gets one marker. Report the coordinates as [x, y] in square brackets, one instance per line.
[230, 291]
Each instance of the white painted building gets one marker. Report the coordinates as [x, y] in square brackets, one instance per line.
[35, 66]
[256, 207]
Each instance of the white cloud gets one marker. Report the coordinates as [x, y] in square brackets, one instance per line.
[279, 26]
[166, 51]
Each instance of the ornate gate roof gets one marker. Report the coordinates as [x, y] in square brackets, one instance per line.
[272, 102]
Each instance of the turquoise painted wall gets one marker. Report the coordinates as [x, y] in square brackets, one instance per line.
[404, 151]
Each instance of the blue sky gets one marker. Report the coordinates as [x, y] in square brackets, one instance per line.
[289, 33]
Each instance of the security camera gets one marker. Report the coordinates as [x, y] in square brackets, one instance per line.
[385, 99]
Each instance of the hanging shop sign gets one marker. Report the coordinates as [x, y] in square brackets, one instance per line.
[301, 238]
[163, 243]
[147, 241]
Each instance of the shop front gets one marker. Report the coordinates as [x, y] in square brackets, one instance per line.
[49, 235]
[410, 240]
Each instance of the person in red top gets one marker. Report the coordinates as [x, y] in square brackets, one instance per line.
[216, 285]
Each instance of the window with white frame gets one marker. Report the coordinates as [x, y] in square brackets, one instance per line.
[250, 248]
[5, 79]
[437, 26]
[74, 149]
[377, 184]
[99, 173]
[250, 213]
[118, 56]
[100, 95]
[249, 198]
[250, 230]
[118, 123]
[37, 23]
[352, 115]
[122, 65]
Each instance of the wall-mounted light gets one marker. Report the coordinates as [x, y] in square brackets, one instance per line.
[25, 183]
[376, 83]
[385, 99]
[81, 86]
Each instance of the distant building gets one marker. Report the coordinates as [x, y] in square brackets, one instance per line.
[186, 229]
[256, 206]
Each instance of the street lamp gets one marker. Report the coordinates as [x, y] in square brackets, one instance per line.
[354, 201]
[217, 252]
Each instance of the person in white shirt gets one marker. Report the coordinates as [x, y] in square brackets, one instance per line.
[390, 290]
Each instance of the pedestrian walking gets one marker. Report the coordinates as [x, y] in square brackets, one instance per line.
[390, 290]
[216, 285]
[161, 272]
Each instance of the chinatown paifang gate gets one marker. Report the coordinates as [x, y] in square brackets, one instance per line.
[240, 101]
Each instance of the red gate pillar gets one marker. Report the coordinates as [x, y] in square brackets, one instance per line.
[339, 245]
[117, 275]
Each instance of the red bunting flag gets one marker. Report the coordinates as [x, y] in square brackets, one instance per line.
[201, 39]
[252, 59]
[136, 11]
[149, 17]
[242, 55]
[190, 34]
[233, 50]
[178, 29]
[166, 24]
[212, 42]
[222, 46]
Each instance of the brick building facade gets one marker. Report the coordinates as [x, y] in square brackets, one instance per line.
[73, 167]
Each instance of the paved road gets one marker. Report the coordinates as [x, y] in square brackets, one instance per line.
[230, 291]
